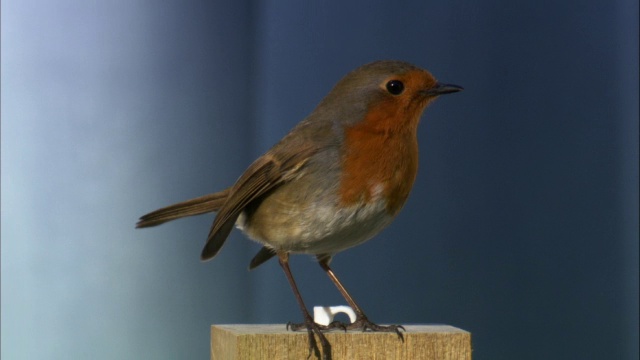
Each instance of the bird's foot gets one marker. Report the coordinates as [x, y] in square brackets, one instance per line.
[313, 329]
[335, 325]
[364, 324]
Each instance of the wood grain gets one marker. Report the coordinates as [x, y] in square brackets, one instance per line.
[422, 342]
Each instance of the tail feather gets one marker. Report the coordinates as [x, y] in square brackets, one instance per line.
[262, 256]
[197, 206]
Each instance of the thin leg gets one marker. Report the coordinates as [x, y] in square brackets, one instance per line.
[362, 322]
[311, 326]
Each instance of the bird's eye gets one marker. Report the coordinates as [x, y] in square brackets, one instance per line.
[395, 87]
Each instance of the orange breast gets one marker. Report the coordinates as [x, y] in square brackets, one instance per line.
[380, 157]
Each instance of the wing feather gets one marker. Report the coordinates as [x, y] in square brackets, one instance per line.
[265, 174]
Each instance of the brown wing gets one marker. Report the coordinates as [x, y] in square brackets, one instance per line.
[263, 175]
[197, 206]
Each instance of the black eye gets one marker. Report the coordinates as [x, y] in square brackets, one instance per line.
[395, 87]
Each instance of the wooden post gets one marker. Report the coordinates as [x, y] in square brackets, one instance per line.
[421, 342]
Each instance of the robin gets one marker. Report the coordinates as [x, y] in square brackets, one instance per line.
[338, 178]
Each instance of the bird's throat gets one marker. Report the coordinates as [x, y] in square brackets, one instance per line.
[379, 164]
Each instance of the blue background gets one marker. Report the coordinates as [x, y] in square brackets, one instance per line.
[522, 227]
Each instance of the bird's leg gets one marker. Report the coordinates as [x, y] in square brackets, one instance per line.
[362, 322]
[309, 324]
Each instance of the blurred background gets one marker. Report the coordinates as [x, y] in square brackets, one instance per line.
[522, 227]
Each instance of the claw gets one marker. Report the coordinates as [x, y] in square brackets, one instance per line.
[313, 329]
[364, 324]
[337, 325]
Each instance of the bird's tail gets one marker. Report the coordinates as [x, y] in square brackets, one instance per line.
[197, 206]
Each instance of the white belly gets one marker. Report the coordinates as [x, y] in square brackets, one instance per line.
[319, 229]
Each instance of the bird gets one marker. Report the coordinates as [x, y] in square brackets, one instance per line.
[334, 181]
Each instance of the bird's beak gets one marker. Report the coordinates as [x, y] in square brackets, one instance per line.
[441, 89]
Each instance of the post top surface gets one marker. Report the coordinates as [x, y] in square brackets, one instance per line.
[282, 329]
